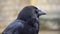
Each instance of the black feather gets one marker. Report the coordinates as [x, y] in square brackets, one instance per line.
[27, 22]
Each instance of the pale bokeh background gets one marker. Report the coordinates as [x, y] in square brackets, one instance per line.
[9, 10]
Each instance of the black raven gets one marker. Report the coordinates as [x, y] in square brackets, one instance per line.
[27, 22]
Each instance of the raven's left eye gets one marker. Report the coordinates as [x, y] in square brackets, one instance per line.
[36, 12]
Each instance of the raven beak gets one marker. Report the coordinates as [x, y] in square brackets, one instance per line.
[40, 12]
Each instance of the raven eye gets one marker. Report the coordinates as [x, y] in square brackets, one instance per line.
[36, 11]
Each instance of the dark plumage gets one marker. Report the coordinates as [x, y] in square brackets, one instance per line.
[27, 22]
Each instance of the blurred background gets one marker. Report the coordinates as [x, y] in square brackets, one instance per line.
[49, 24]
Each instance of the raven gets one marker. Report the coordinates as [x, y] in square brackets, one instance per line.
[27, 22]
